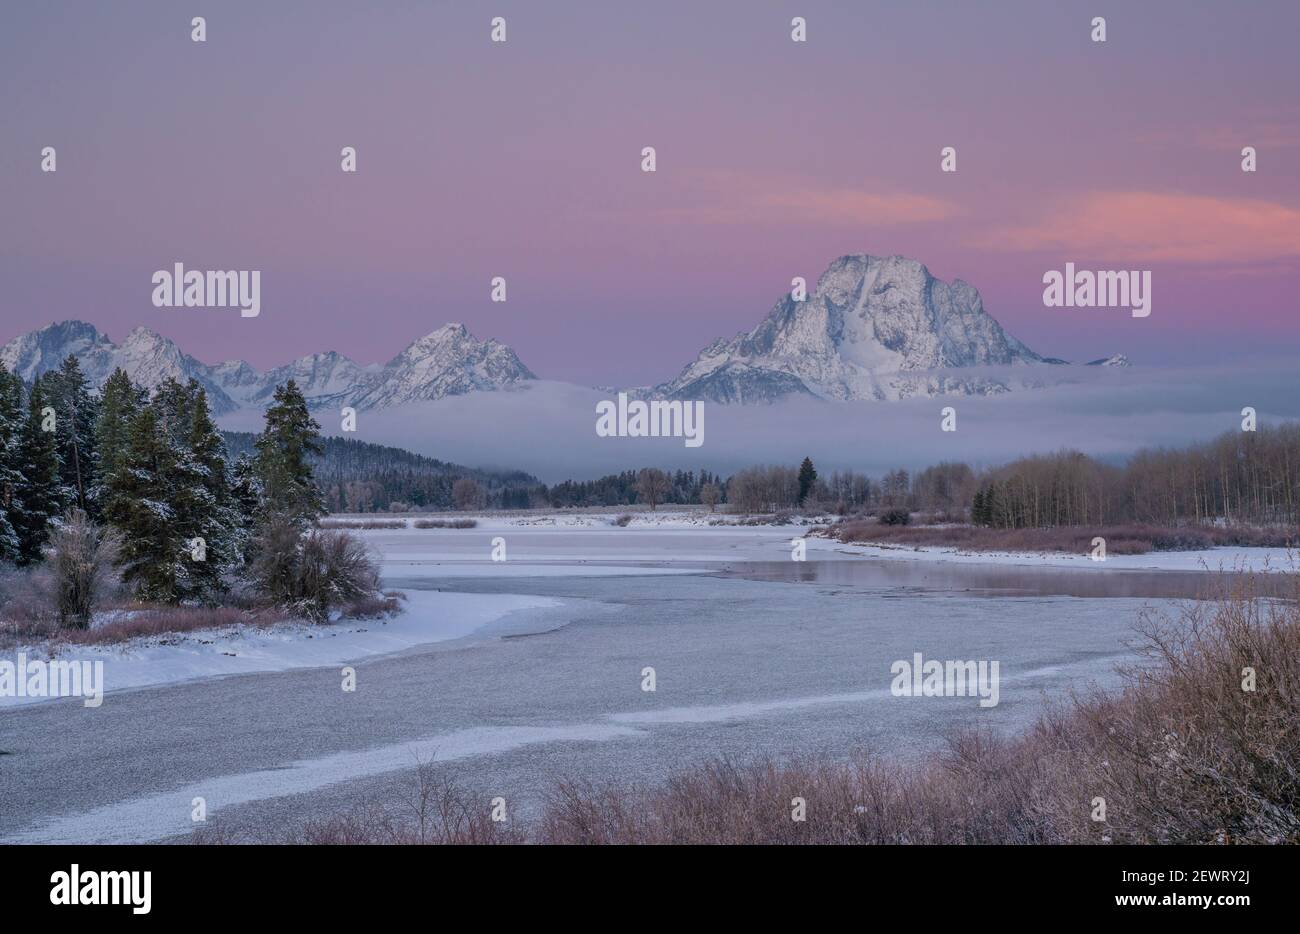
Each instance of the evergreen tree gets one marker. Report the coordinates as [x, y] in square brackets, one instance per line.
[75, 408]
[977, 508]
[246, 493]
[807, 477]
[993, 510]
[214, 514]
[119, 402]
[40, 497]
[137, 502]
[288, 490]
[196, 489]
[11, 478]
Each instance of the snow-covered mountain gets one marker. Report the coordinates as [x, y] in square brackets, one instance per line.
[1116, 360]
[447, 362]
[147, 356]
[879, 328]
[873, 328]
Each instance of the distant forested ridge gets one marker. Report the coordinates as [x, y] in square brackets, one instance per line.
[357, 476]
[620, 489]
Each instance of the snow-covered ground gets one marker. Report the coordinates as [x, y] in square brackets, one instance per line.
[570, 544]
[1210, 559]
[429, 617]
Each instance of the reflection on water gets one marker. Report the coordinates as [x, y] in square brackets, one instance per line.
[995, 580]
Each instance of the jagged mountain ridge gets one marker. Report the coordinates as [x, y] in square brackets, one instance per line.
[873, 328]
[449, 361]
[879, 328]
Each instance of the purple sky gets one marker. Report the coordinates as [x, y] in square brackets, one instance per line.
[522, 160]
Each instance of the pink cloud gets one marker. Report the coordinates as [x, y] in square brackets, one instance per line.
[1143, 225]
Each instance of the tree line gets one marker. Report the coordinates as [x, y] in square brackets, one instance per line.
[149, 476]
[1240, 477]
[361, 477]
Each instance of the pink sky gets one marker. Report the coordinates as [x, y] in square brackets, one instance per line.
[522, 160]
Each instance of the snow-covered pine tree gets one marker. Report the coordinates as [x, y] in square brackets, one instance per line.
[11, 478]
[137, 502]
[40, 496]
[119, 401]
[246, 492]
[289, 490]
[75, 407]
[215, 514]
[199, 490]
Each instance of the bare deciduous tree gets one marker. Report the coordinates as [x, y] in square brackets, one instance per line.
[651, 485]
[466, 493]
[81, 557]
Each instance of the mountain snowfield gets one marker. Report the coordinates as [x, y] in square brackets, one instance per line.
[450, 361]
[874, 328]
[879, 328]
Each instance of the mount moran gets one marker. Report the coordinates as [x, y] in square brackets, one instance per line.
[874, 327]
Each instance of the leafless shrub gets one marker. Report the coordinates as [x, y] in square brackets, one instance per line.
[446, 523]
[374, 606]
[431, 811]
[623, 521]
[315, 572]
[335, 568]
[363, 523]
[28, 606]
[80, 556]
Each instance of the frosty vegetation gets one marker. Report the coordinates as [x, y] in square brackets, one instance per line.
[130, 497]
[1200, 747]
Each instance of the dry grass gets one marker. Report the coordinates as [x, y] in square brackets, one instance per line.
[362, 523]
[375, 606]
[445, 523]
[1120, 539]
[29, 616]
[145, 620]
[1183, 754]
[433, 810]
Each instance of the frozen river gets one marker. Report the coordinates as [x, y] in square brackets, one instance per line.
[753, 654]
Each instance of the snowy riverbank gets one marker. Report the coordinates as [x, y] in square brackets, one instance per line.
[429, 617]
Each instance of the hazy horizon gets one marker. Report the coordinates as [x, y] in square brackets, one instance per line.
[521, 160]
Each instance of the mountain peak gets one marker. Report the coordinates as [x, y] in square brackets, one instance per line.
[144, 335]
[448, 361]
[445, 362]
[873, 328]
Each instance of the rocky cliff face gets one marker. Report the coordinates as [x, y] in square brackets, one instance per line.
[873, 328]
[449, 361]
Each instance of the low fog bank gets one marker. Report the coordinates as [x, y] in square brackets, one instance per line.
[548, 428]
